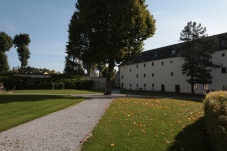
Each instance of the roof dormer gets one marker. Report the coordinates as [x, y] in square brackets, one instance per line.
[224, 42]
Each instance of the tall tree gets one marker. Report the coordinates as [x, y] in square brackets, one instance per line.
[74, 48]
[22, 41]
[73, 66]
[197, 49]
[5, 45]
[112, 31]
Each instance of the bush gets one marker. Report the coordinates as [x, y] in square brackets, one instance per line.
[28, 83]
[215, 108]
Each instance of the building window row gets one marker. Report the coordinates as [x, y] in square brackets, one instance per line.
[171, 74]
[137, 85]
[162, 63]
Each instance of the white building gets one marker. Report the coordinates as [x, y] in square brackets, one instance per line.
[160, 70]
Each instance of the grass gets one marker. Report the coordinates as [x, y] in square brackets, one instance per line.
[133, 124]
[18, 109]
[198, 97]
[65, 91]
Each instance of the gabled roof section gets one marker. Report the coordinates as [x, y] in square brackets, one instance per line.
[170, 51]
[157, 54]
[222, 41]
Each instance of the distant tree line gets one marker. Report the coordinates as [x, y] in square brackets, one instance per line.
[32, 70]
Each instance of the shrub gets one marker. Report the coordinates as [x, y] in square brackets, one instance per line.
[26, 83]
[215, 107]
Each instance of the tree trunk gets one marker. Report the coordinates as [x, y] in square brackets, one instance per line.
[22, 70]
[108, 90]
[192, 84]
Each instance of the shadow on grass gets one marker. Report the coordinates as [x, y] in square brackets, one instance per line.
[194, 137]
[157, 94]
[8, 98]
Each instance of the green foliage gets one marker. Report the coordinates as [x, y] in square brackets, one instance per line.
[21, 41]
[215, 108]
[4, 66]
[109, 32]
[5, 42]
[72, 66]
[5, 45]
[197, 50]
[28, 83]
[33, 70]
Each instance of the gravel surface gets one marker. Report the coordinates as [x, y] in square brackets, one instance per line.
[64, 130]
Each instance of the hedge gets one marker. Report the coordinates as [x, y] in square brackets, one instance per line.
[215, 108]
[26, 83]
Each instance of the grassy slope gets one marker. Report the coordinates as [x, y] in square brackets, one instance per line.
[18, 109]
[150, 124]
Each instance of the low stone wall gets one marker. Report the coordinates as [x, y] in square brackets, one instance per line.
[100, 82]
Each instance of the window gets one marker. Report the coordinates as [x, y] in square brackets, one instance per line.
[173, 52]
[162, 63]
[137, 66]
[153, 85]
[137, 76]
[205, 87]
[122, 76]
[144, 85]
[223, 54]
[144, 64]
[156, 54]
[130, 85]
[152, 63]
[171, 61]
[144, 75]
[152, 74]
[224, 42]
[195, 86]
[223, 70]
[171, 74]
[130, 70]
[137, 85]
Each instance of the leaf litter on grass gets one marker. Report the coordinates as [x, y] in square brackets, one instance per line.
[144, 124]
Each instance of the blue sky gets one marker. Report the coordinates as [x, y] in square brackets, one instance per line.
[46, 21]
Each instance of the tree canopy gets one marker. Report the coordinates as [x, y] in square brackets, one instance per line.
[197, 49]
[5, 45]
[109, 32]
[22, 41]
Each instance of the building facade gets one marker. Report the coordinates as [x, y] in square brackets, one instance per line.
[161, 70]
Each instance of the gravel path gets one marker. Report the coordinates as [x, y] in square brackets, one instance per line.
[64, 130]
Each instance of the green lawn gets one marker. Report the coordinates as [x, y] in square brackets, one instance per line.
[65, 91]
[21, 108]
[133, 124]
